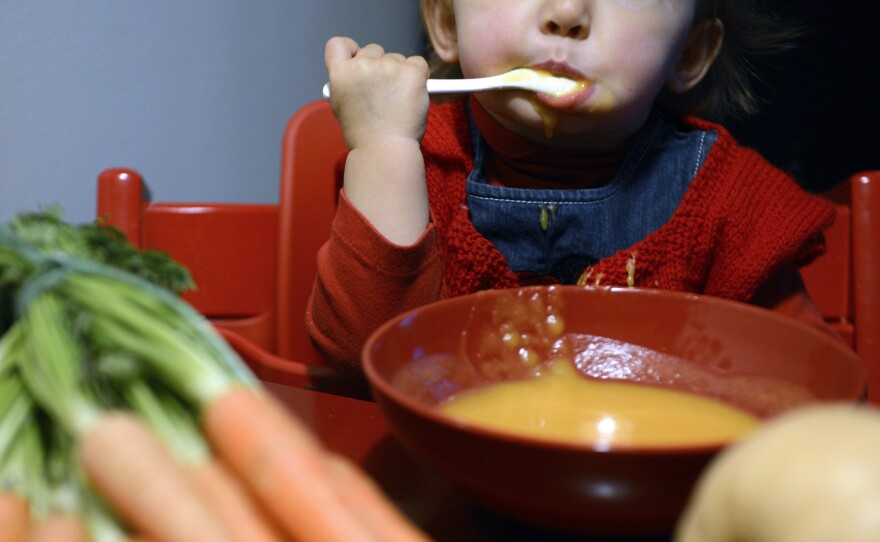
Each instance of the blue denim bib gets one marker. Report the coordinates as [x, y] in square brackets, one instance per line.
[559, 233]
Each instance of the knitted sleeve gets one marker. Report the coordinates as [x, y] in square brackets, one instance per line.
[364, 280]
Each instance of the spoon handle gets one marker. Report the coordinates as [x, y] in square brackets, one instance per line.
[522, 78]
[450, 86]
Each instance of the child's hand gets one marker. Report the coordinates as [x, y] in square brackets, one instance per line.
[381, 102]
[376, 95]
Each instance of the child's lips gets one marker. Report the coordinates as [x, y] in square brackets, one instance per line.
[570, 99]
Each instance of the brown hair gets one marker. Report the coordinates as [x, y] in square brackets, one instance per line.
[726, 90]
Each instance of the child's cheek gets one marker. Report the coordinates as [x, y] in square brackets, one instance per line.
[488, 57]
[643, 5]
[489, 49]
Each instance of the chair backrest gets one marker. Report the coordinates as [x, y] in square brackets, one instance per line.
[311, 150]
[230, 250]
[254, 264]
[845, 281]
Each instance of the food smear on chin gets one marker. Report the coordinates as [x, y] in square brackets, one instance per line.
[562, 86]
[549, 116]
[553, 85]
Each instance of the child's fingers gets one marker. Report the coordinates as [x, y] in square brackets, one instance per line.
[339, 49]
[373, 50]
[420, 63]
[396, 57]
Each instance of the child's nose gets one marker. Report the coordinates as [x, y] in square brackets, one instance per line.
[567, 18]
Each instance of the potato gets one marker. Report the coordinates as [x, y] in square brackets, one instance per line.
[811, 475]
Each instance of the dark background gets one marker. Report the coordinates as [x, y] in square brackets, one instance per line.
[820, 117]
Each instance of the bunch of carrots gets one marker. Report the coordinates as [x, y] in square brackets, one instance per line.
[124, 417]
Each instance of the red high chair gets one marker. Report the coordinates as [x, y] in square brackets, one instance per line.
[253, 264]
[845, 281]
[230, 250]
[311, 151]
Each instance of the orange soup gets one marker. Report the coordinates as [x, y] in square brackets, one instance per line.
[561, 404]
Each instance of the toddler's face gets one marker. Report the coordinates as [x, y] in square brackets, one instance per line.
[626, 49]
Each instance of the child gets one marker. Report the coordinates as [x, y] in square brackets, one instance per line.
[618, 183]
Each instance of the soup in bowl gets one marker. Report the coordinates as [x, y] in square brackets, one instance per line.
[668, 379]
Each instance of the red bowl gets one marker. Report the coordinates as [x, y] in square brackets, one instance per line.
[590, 489]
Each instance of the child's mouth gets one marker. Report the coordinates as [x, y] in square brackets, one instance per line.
[569, 86]
[572, 90]
[566, 100]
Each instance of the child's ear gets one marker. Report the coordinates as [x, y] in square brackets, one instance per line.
[696, 58]
[440, 24]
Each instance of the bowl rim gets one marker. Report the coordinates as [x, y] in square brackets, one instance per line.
[451, 422]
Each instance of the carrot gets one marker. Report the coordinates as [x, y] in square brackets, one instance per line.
[14, 517]
[125, 462]
[175, 424]
[57, 527]
[277, 457]
[132, 469]
[243, 519]
[367, 502]
[282, 463]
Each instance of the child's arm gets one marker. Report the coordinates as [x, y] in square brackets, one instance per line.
[382, 257]
[363, 281]
[381, 102]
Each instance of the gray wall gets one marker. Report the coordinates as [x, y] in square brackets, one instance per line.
[194, 94]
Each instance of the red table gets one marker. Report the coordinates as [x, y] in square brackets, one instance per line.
[356, 429]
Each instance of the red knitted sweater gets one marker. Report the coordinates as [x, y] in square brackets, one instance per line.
[740, 219]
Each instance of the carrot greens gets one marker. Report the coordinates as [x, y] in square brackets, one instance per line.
[90, 326]
[124, 414]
